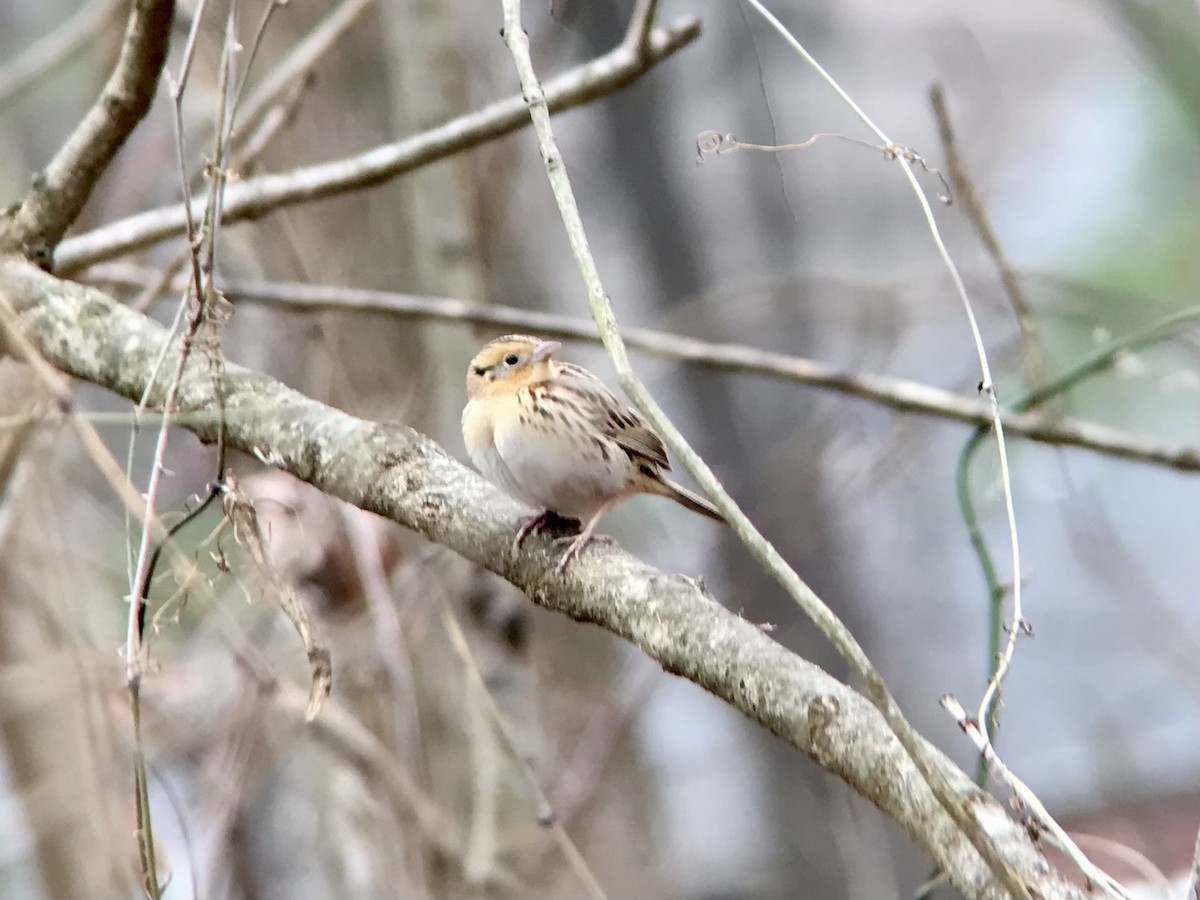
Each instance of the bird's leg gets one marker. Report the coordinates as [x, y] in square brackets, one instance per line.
[545, 519]
[586, 536]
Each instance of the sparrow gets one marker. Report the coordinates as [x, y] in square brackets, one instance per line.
[553, 436]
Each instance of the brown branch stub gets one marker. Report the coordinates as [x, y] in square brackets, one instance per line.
[35, 226]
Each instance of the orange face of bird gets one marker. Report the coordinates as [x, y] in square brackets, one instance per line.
[510, 362]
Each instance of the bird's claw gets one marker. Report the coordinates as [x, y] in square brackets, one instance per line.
[540, 522]
[576, 545]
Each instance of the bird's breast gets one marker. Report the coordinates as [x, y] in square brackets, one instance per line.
[477, 429]
[549, 456]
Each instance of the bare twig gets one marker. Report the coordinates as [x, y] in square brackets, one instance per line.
[14, 340]
[300, 61]
[979, 737]
[347, 736]
[1145, 868]
[36, 225]
[18, 343]
[825, 619]
[44, 55]
[258, 196]
[714, 143]
[899, 394]
[1194, 878]
[641, 26]
[964, 189]
[241, 513]
[203, 327]
[139, 587]
[583, 772]
[391, 644]
[273, 121]
[546, 815]
[255, 45]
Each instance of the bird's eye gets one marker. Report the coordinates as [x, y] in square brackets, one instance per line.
[512, 359]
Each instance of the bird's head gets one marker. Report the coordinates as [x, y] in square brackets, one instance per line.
[510, 362]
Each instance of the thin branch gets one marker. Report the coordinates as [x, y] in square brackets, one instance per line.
[140, 585]
[255, 46]
[44, 55]
[202, 328]
[641, 26]
[964, 190]
[298, 64]
[546, 815]
[582, 775]
[241, 514]
[347, 736]
[899, 394]
[37, 224]
[771, 560]
[1194, 878]
[255, 197]
[987, 385]
[979, 737]
[14, 340]
[396, 472]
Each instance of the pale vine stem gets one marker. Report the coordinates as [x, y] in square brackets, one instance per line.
[956, 805]
[987, 385]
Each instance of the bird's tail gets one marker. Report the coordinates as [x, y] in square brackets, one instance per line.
[689, 500]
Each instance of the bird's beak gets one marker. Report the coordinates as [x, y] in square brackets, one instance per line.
[544, 350]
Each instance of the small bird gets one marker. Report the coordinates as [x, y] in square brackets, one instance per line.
[555, 437]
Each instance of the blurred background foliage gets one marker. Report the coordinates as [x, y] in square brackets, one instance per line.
[1079, 121]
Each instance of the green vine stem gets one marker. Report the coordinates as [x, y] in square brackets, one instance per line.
[1097, 362]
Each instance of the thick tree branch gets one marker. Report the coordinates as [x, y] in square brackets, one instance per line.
[399, 473]
[256, 197]
[35, 225]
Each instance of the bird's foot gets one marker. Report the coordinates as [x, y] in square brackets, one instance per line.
[576, 544]
[540, 522]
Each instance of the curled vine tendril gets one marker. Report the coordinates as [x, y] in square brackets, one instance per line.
[714, 143]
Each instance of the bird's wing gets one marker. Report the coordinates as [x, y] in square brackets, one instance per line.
[610, 416]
